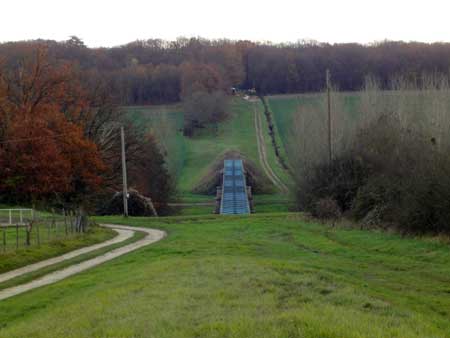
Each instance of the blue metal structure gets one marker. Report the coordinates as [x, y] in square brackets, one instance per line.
[234, 189]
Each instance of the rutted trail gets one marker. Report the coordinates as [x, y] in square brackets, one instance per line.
[123, 235]
[262, 151]
[125, 232]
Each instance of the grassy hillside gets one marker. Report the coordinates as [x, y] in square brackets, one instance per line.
[189, 158]
[273, 275]
[166, 122]
[237, 133]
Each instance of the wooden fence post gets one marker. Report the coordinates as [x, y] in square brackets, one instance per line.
[48, 230]
[37, 234]
[27, 234]
[65, 221]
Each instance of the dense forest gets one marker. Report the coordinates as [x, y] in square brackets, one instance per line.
[157, 71]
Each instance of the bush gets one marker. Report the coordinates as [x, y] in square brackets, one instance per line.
[327, 208]
[392, 177]
[339, 181]
[203, 108]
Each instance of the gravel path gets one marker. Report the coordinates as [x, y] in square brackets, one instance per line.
[123, 235]
[152, 237]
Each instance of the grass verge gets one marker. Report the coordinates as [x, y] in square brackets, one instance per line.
[269, 275]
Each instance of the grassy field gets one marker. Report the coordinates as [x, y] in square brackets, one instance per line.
[285, 107]
[271, 275]
[423, 111]
[189, 158]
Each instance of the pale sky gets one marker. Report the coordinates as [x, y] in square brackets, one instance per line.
[111, 22]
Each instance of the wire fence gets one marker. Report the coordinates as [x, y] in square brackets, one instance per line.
[23, 228]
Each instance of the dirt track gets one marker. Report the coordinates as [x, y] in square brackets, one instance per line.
[262, 151]
[126, 231]
[123, 235]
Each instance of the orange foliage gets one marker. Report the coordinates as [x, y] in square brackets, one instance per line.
[200, 78]
[43, 151]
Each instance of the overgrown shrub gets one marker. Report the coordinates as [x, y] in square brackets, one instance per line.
[392, 168]
[392, 176]
[339, 181]
[202, 108]
[327, 208]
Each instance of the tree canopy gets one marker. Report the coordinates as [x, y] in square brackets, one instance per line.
[156, 71]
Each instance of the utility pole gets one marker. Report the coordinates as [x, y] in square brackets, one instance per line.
[329, 115]
[124, 174]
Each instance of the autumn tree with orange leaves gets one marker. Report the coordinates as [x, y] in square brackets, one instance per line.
[44, 154]
[59, 139]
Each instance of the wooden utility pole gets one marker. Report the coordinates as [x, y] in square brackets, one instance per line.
[329, 115]
[124, 174]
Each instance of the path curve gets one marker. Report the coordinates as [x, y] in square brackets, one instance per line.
[153, 236]
[122, 236]
[262, 151]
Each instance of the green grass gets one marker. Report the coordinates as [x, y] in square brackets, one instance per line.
[272, 203]
[271, 275]
[192, 198]
[236, 133]
[271, 156]
[166, 123]
[419, 111]
[189, 158]
[196, 210]
[283, 108]
[13, 259]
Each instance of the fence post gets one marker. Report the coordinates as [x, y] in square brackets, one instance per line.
[65, 221]
[28, 234]
[54, 225]
[10, 216]
[17, 236]
[48, 230]
[37, 234]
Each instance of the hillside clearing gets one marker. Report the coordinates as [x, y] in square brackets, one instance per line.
[189, 159]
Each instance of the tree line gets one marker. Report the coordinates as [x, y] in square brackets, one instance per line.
[155, 71]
